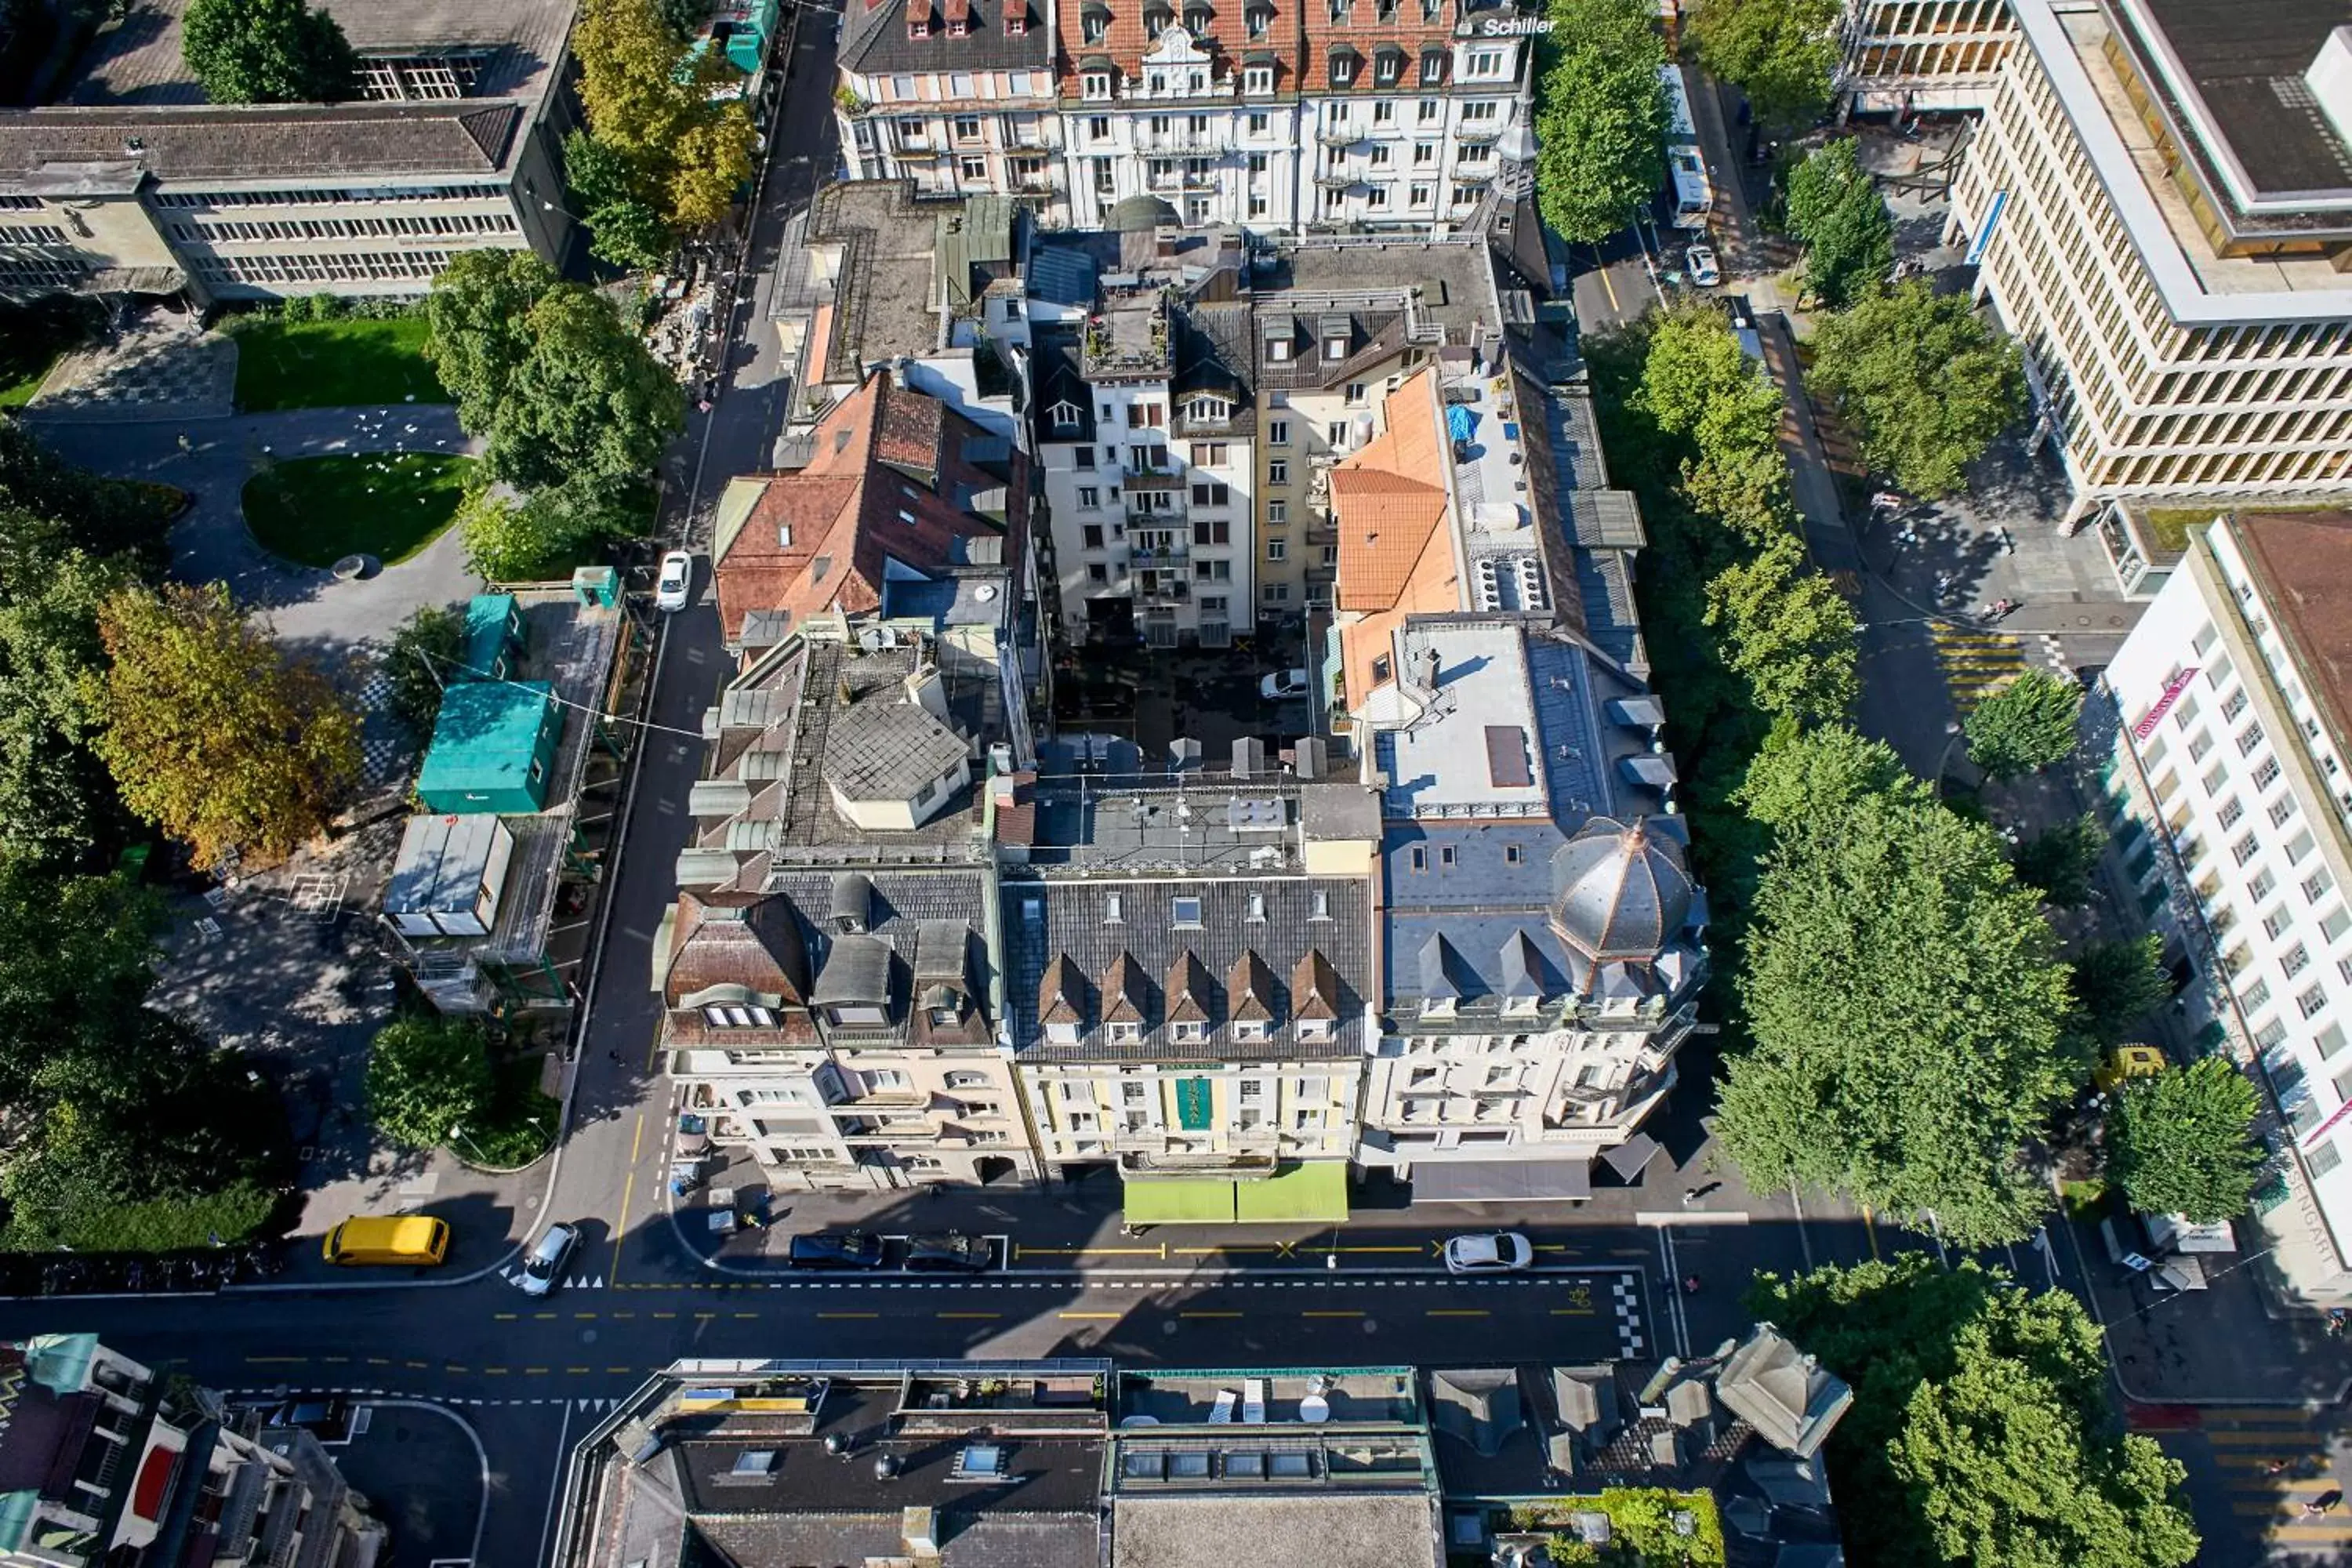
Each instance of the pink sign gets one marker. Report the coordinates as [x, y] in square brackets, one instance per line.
[2173, 690]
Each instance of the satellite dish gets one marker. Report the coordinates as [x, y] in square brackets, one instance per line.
[984, 593]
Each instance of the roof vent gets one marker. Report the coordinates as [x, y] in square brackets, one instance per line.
[755, 1462]
[980, 1462]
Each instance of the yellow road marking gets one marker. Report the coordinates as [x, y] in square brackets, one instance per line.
[493, 1372]
[1415, 1248]
[1208, 1314]
[543, 1317]
[336, 1360]
[1607, 289]
[1572, 1311]
[628, 1193]
[849, 1314]
[665, 1314]
[453, 1367]
[416, 1366]
[1335, 1312]
[534, 1371]
[1870, 1229]
[740, 1315]
[620, 1369]
[1111, 1316]
[505, 1317]
[290, 1361]
[1213, 1251]
[379, 1360]
[704, 1317]
[1457, 1312]
[972, 1315]
[578, 1371]
[585, 1317]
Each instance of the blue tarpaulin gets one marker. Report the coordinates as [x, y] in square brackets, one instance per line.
[1460, 421]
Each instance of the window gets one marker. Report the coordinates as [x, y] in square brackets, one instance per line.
[2244, 849]
[1257, 78]
[1084, 458]
[2214, 779]
[1430, 112]
[1418, 858]
[1277, 432]
[1090, 537]
[1097, 572]
[1278, 472]
[1186, 911]
[966, 127]
[1319, 907]
[1065, 414]
[2294, 960]
[2259, 886]
[2266, 772]
[2322, 1160]
[2329, 1040]
[1277, 513]
[2255, 996]
[1275, 594]
[1210, 492]
[1213, 571]
[2232, 705]
[1213, 530]
[2312, 1002]
[1089, 497]
[1488, 63]
[974, 168]
[2275, 925]
[2199, 745]
[1096, 85]
[1277, 550]
[1335, 433]
[1334, 347]
[2231, 810]
[2248, 739]
[2315, 886]
[2281, 811]
[1446, 856]
[2298, 847]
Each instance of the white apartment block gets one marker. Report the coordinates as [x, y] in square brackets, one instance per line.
[1908, 57]
[2234, 810]
[2160, 196]
[133, 186]
[1144, 428]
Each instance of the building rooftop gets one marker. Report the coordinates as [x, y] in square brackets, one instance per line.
[874, 40]
[136, 60]
[1347, 1530]
[2303, 563]
[1143, 825]
[886, 302]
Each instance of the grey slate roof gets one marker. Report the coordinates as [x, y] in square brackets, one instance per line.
[990, 1541]
[466, 138]
[873, 40]
[903, 904]
[1624, 891]
[1137, 957]
[881, 749]
[858, 970]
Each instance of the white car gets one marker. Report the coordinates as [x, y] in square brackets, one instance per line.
[1704, 272]
[544, 1267]
[1492, 1252]
[676, 581]
[1284, 683]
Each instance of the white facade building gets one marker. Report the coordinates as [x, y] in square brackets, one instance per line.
[2229, 789]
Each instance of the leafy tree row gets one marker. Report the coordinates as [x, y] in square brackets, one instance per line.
[576, 410]
[1980, 1431]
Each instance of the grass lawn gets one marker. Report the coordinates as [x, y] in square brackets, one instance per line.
[332, 365]
[32, 337]
[390, 505]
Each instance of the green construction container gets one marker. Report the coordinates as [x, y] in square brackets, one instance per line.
[493, 749]
[494, 637]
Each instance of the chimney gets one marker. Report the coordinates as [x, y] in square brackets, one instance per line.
[928, 691]
[2329, 79]
[1313, 758]
[1249, 757]
[1428, 663]
[920, 1528]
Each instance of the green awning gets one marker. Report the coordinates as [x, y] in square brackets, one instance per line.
[1194, 1200]
[1315, 1193]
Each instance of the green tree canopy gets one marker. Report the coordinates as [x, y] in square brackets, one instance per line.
[1834, 208]
[1904, 1003]
[2116, 984]
[1925, 384]
[2024, 726]
[625, 227]
[2181, 1142]
[76, 965]
[1783, 54]
[1601, 117]
[2060, 861]
[527, 540]
[427, 651]
[426, 1076]
[1701, 385]
[211, 733]
[1792, 638]
[1980, 1432]
[56, 801]
[480, 312]
[589, 403]
[650, 102]
[267, 51]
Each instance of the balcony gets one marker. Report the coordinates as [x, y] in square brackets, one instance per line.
[1214, 144]
[1029, 138]
[1129, 338]
[1483, 133]
[1337, 180]
[1164, 179]
[1041, 183]
[1163, 590]
[1341, 135]
[1142, 556]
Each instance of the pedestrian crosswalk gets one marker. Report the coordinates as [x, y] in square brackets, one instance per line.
[2273, 1461]
[1975, 664]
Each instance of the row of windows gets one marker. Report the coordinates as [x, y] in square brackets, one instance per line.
[423, 265]
[328, 198]
[56, 273]
[436, 225]
[33, 234]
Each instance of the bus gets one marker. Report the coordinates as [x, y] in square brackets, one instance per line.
[1686, 167]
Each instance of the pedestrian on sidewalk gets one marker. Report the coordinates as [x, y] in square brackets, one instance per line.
[2325, 1502]
[1690, 1196]
[2276, 1467]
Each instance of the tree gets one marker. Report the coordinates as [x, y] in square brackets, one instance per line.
[1980, 1431]
[2116, 984]
[1925, 385]
[1601, 118]
[2024, 726]
[1783, 54]
[1699, 384]
[1793, 639]
[76, 965]
[624, 228]
[427, 653]
[479, 311]
[1835, 207]
[211, 733]
[589, 403]
[2180, 1142]
[2060, 862]
[525, 542]
[649, 100]
[267, 51]
[56, 799]
[426, 1076]
[1904, 1003]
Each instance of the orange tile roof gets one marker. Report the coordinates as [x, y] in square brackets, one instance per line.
[1382, 503]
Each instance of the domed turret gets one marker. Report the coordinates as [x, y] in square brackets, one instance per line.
[1619, 890]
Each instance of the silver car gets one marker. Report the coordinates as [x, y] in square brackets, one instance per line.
[545, 1265]
[1489, 1252]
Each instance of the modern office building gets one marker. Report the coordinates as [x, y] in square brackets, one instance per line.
[2160, 201]
[131, 184]
[1188, 980]
[1913, 56]
[103, 1463]
[2233, 811]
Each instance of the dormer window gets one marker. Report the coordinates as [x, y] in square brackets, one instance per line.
[1209, 410]
[1016, 21]
[1340, 11]
[960, 26]
[1095, 85]
[1124, 1032]
[1277, 350]
[1093, 25]
[1258, 21]
[1156, 19]
[1432, 9]
[1334, 347]
[1188, 1032]
[1257, 78]
[1065, 414]
[1196, 19]
[1186, 912]
[1343, 67]
[1388, 66]
[1314, 1029]
[1249, 1029]
[918, 19]
[1432, 68]
[1388, 13]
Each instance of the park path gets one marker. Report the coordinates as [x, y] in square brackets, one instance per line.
[209, 543]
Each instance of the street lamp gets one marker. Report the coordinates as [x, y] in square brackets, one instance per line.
[457, 1130]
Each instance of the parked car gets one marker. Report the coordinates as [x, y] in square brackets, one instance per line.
[676, 581]
[950, 1252]
[1282, 684]
[327, 1417]
[1700, 261]
[544, 1267]
[1489, 1252]
[835, 1250]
